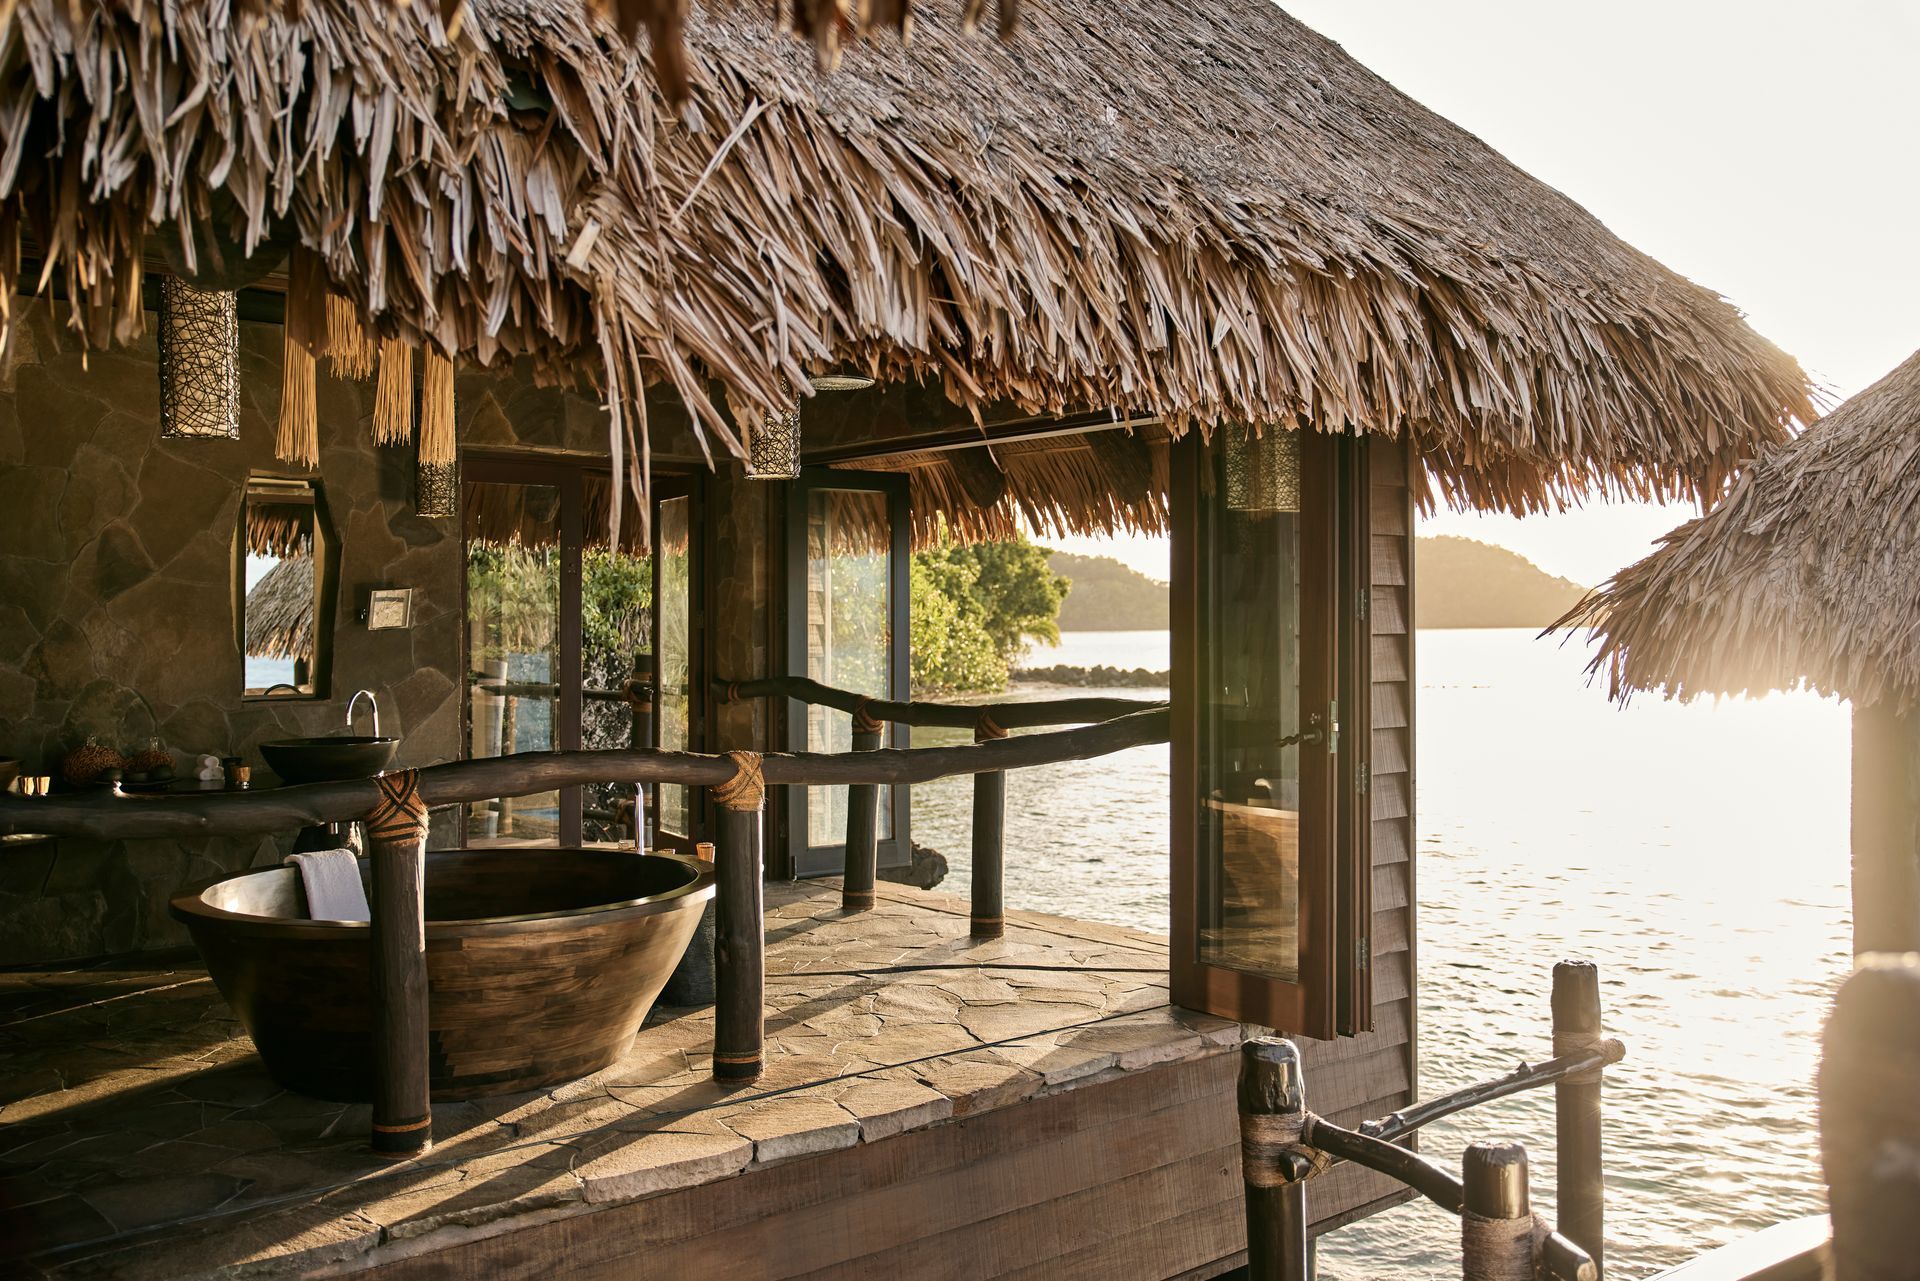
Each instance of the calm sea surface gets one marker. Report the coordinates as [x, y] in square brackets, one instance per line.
[1697, 854]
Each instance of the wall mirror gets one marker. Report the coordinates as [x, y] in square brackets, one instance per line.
[285, 565]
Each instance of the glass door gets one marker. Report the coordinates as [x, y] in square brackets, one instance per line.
[677, 696]
[1262, 813]
[560, 631]
[846, 627]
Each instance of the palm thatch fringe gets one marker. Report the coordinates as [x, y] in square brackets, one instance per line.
[283, 530]
[393, 394]
[350, 352]
[298, 439]
[1804, 576]
[437, 444]
[1212, 216]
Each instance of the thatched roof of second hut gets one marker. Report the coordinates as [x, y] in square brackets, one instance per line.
[1201, 212]
[1806, 575]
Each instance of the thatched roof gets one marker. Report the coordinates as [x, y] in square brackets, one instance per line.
[1807, 574]
[1199, 212]
[279, 611]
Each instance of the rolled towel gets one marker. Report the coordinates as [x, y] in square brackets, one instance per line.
[332, 881]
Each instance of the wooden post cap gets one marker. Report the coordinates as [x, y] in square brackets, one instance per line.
[1493, 1176]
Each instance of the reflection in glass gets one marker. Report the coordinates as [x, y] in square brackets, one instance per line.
[1251, 741]
[280, 590]
[673, 699]
[616, 615]
[513, 640]
[848, 639]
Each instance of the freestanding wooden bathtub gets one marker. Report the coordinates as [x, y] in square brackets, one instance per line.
[541, 966]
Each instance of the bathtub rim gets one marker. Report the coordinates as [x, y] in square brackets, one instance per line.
[190, 907]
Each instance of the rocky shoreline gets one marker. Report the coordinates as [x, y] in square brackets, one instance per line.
[1099, 676]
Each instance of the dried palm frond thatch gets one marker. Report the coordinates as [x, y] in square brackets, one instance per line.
[1803, 576]
[1197, 213]
[279, 611]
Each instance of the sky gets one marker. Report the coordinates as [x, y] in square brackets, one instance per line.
[1761, 148]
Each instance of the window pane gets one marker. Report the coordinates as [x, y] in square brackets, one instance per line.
[513, 637]
[849, 604]
[673, 699]
[1251, 731]
[616, 616]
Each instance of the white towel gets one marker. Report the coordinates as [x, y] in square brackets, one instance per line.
[332, 881]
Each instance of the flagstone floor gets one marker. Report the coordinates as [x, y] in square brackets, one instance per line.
[140, 1136]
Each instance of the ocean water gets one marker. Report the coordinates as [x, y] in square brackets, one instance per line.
[1697, 854]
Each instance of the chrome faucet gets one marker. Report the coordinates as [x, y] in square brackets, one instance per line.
[371, 702]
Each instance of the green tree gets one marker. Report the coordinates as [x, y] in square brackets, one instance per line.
[951, 647]
[1018, 594]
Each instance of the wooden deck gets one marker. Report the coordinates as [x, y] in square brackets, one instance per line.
[932, 1108]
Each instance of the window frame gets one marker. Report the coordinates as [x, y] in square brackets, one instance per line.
[666, 488]
[1329, 997]
[804, 859]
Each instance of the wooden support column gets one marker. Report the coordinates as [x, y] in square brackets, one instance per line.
[863, 821]
[739, 949]
[397, 832]
[637, 693]
[1496, 1216]
[989, 841]
[1576, 1109]
[1870, 1121]
[1273, 1113]
[1886, 829]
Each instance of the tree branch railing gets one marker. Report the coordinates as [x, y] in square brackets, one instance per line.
[988, 721]
[394, 807]
[1284, 1146]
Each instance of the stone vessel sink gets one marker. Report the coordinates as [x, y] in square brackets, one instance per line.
[330, 759]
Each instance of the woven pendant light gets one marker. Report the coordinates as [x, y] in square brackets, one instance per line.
[436, 477]
[199, 340]
[773, 447]
[1263, 472]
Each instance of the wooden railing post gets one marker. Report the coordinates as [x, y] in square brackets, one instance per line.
[1496, 1218]
[739, 946]
[989, 841]
[1870, 1121]
[1273, 1112]
[1580, 1183]
[397, 832]
[863, 821]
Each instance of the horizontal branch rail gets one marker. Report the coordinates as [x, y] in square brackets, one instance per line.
[1559, 1257]
[109, 814]
[1528, 1076]
[1057, 711]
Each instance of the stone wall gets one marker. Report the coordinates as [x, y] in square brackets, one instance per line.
[115, 599]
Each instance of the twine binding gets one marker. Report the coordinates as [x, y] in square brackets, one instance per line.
[746, 791]
[864, 722]
[986, 728]
[401, 813]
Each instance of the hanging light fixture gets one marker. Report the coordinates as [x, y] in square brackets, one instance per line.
[199, 362]
[773, 450]
[1262, 473]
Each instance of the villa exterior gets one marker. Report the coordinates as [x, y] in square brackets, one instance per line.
[1208, 277]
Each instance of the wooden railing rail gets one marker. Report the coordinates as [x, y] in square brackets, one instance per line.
[988, 721]
[1284, 1145]
[395, 806]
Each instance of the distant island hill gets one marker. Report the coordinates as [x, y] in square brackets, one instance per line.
[1462, 583]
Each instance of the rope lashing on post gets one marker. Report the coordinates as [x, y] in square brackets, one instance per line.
[864, 722]
[637, 694]
[401, 813]
[1272, 1153]
[746, 790]
[986, 728]
[732, 694]
[1566, 1044]
[1501, 1249]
